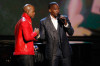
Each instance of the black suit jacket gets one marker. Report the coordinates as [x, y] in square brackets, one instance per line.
[48, 33]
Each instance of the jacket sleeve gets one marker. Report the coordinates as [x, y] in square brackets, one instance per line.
[27, 34]
[42, 30]
[69, 29]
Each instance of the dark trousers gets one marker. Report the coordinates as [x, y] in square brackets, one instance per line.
[59, 60]
[24, 60]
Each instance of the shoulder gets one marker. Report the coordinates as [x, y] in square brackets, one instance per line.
[43, 19]
[23, 20]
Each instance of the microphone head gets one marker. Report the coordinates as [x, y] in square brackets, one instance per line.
[59, 15]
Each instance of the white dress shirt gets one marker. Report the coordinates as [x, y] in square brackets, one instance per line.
[54, 21]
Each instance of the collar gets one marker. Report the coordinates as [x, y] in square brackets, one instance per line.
[27, 17]
[52, 17]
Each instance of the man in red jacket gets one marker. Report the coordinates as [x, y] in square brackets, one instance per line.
[24, 37]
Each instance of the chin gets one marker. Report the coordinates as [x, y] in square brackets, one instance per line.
[32, 17]
[55, 15]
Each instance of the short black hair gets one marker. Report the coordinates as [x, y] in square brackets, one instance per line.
[51, 3]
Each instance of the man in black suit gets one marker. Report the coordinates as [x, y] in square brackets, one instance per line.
[53, 29]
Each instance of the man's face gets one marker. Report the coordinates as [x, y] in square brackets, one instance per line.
[54, 10]
[32, 12]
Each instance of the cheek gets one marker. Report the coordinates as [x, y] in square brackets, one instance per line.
[55, 11]
[33, 14]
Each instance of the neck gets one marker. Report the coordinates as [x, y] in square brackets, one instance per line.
[53, 16]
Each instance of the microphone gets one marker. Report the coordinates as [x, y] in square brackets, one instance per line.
[61, 18]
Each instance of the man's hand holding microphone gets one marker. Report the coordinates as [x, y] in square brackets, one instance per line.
[63, 19]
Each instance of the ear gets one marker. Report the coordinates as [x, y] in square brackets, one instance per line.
[49, 10]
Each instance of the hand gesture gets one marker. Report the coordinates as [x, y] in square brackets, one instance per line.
[36, 30]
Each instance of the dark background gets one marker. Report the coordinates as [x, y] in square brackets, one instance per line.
[85, 48]
[11, 11]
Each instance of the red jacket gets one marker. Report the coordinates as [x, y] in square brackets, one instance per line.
[24, 36]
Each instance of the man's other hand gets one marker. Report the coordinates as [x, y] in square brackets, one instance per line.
[36, 30]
